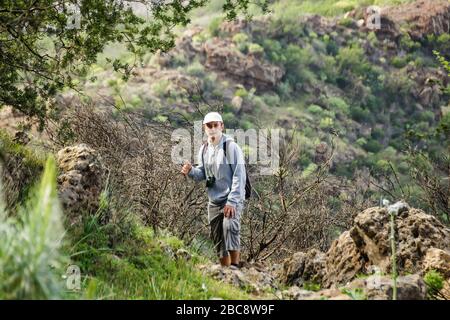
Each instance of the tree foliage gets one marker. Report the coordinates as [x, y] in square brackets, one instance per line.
[46, 44]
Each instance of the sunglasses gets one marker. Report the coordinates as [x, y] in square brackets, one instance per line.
[212, 125]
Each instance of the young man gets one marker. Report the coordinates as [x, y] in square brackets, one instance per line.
[221, 164]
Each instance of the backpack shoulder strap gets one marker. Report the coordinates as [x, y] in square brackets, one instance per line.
[204, 145]
[225, 147]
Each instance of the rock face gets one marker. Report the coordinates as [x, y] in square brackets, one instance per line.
[422, 242]
[343, 261]
[410, 287]
[422, 17]
[303, 266]
[81, 180]
[375, 287]
[416, 233]
[249, 278]
[222, 55]
[295, 293]
[439, 260]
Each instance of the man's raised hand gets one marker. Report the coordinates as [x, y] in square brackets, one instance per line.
[186, 167]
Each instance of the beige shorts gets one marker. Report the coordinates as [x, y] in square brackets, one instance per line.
[225, 232]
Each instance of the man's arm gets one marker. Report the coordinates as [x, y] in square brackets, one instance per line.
[237, 192]
[198, 173]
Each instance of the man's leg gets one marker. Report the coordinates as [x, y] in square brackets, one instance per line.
[232, 235]
[225, 261]
[234, 257]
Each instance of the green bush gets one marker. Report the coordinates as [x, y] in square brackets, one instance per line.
[315, 109]
[310, 169]
[360, 114]
[338, 104]
[373, 146]
[241, 92]
[434, 282]
[214, 27]
[298, 62]
[399, 62]
[326, 122]
[160, 88]
[239, 38]
[179, 60]
[284, 89]
[274, 51]
[196, 69]
[346, 22]
[407, 43]
[136, 101]
[377, 133]
[353, 59]
[427, 116]
[361, 142]
[255, 48]
[440, 43]
[271, 99]
[372, 38]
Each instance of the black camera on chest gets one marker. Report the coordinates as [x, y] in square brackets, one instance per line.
[210, 181]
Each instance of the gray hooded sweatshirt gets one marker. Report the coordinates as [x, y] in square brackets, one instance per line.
[230, 180]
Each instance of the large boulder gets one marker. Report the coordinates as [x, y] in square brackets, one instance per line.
[416, 232]
[253, 279]
[422, 244]
[302, 266]
[343, 261]
[376, 287]
[438, 260]
[81, 180]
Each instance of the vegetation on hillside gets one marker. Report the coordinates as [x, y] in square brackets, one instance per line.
[364, 118]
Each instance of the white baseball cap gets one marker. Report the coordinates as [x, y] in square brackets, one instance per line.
[212, 116]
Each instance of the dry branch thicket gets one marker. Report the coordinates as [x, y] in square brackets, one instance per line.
[287, 212]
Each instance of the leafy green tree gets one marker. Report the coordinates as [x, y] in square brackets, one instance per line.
[46, 44]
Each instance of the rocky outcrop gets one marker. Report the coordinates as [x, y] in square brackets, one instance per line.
[439, 260]
[343, 261]
[249, 278]
[81, 180]
[416, 233]
[422, 242]
[357, 265]
[296, 293]
[423, 17]
[419, 18]
[223, 56]
[376, 287]
[410, 287]
[303, 266]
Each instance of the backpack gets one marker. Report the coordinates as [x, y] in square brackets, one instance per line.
[248, 185]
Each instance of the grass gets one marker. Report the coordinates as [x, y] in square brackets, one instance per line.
[24, 167]
[31, 158]
[140, 266]
[328, 7]
[30, 257]
[117, 260]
